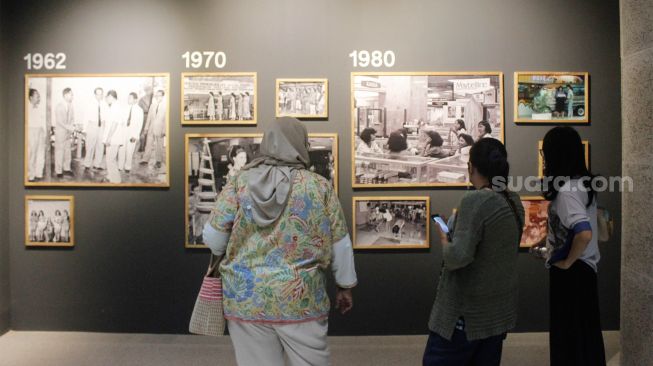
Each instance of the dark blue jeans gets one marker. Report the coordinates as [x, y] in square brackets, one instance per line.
[461, 352]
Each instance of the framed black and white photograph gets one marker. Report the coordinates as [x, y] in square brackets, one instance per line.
[302, 98]
[212, 158]
[540, 157]
[99, 130]
[50, 221]
[551, 97]
[391, 222]
[218, 98]
[535, 223]
[416, 129]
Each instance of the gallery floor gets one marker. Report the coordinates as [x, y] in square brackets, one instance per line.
[95, 349]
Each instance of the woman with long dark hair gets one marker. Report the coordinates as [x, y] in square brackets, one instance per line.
[476, 302]
[575, 327]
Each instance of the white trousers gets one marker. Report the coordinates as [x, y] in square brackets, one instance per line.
[304, 344]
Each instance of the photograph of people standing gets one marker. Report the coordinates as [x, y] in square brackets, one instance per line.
[302, 98]
[228, 98]
[87, 131]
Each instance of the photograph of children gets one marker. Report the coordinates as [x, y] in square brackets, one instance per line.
[105, 130]
[415, 129]
[212, 158]
[551, 97]
[302, 98]
[218, 98]
[391, 222]
[535, 227]
[49, 221]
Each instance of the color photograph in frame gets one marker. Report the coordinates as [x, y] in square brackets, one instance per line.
[210, 159]
[551, 97]
[415, 129]
[97, 130]
[391, 222]
[302, 98]
[227, 98]
[49, 221]
[540, 160]
[535, 223]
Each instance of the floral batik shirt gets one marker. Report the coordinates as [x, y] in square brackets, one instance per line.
[276, 274]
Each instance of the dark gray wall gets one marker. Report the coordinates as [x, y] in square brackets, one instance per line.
[129, 271]
[4, 213]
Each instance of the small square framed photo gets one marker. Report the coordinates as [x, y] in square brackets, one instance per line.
[551, 97]
[535, 223]
[391, 222]
[302, 98]
[218, 98]
[49, 221]
[540, 157]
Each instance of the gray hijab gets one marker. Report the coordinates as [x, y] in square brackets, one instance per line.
[284, 149]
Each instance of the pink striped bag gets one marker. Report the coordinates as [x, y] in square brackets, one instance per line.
[208, 315]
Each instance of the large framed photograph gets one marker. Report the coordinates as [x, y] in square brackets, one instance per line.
[302, 98]
[218, 98]
[535, 223]
[540, 160]
[99, 130]
[212, 158]
[49, 221]
[416, 129]
[391, 222]
[551, 97]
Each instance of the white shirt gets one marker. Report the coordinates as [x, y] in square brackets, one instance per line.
[135, 123]
[92, 118]
[117, 118]
[373, 148]
[36, 117]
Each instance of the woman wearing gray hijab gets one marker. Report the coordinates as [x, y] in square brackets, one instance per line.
[279, 227]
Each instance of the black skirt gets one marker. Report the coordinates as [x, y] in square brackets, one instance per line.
[575, 324]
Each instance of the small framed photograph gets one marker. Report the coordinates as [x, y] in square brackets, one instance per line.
[212, 158]
[97, 130]
[415, 129]
[302, 98]
[540, 160]
[551, 97]
[49, 221]
[391, 222]
[218, 98]
[535, 223]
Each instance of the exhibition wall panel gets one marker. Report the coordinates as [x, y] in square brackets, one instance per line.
[129, 270]
[4, 213]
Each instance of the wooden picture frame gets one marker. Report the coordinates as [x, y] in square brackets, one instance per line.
[200, 165]
[290, 106]
[530, 107]
[540, 162]
[363, 205]
[46, 229]
[240, 87]
[535, 221]
[41, 163]
[446, 98]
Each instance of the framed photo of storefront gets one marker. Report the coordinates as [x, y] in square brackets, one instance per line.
[540, 160]
[415, 129]
[227, 98]
[535, 223]
[49, 221]
[391, 222]
[302, 98]
[97, 130]
[551, 97]
[210, 159]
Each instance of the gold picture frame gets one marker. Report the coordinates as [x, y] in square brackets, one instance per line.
[234, 116]
[50, 88]
[41, 231]
[524, 99]
[424, 238]
[533, 221]
[305, 114]
[486, 102]
[540, 162]
[197, 205]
